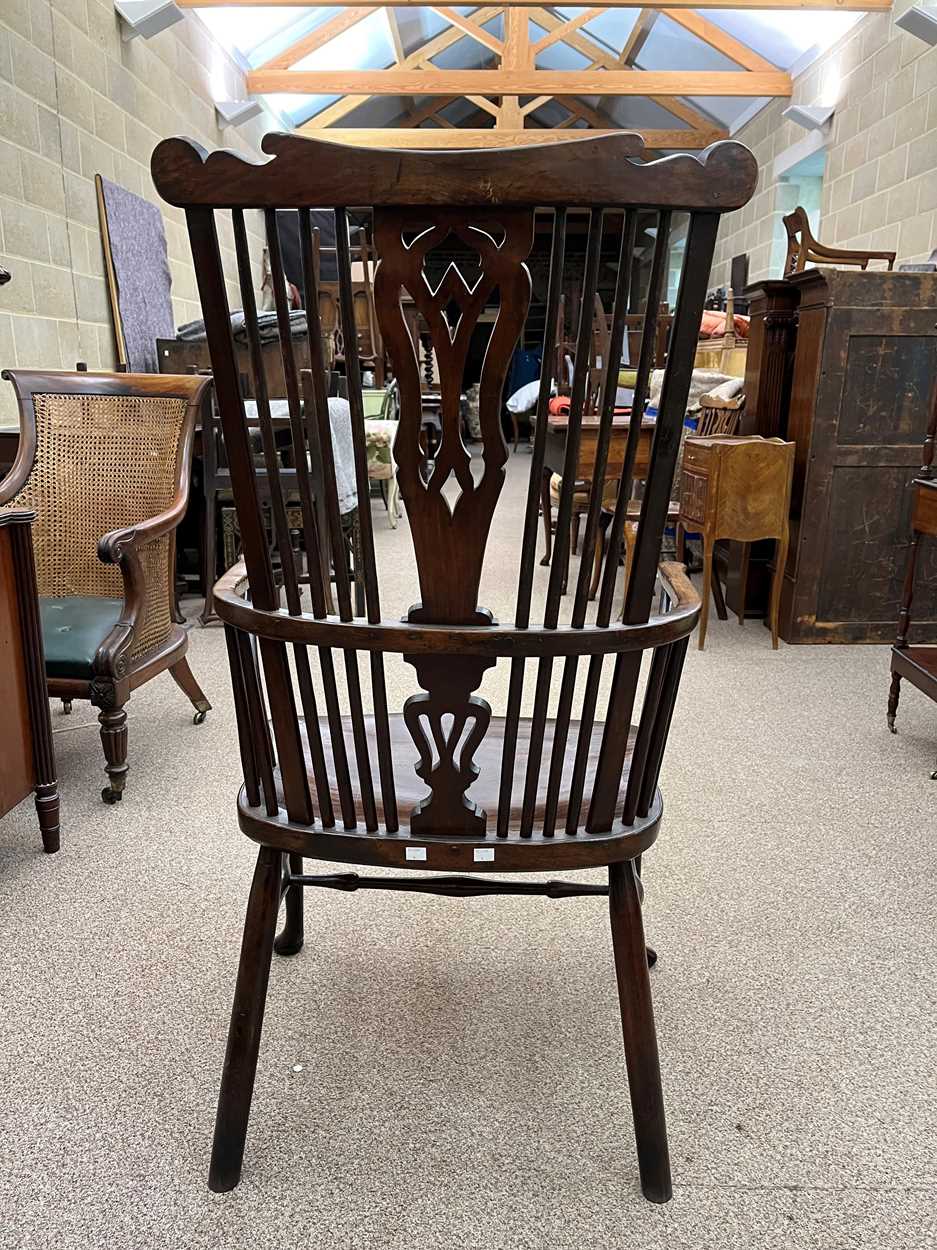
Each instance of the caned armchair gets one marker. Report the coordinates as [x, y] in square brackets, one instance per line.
[104, 461]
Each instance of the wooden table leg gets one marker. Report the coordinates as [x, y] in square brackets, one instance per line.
[743, 580]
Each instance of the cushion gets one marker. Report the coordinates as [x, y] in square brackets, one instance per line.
[72, 631]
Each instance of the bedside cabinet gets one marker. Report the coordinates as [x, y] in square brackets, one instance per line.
[736, 488]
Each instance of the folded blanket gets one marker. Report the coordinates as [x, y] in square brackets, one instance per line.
[343, 451]
[267, 327]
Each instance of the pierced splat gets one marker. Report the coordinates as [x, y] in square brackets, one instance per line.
[450, 536]
[456, 720]
[450, 519]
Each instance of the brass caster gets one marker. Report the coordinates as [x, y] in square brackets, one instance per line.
[111, 796]
[66, 707]
[651, 957]
[199, 718]
[933, 775]
[891, 725]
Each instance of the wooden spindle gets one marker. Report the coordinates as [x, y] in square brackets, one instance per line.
[531, 516]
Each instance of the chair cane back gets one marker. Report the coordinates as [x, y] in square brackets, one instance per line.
[455, 788]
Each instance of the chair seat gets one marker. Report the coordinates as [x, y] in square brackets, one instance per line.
[72, 630]
[410, 788]
[633, 512]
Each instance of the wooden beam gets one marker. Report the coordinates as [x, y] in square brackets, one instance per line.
[420, 56]
[560, 33]
[686, 140]
[394, 27]
[717, 38]
[484, 104]
[836, 6]
[469, 27]
[585, 44]
[519, 82]
[317, 38]
[516, 58]
[637, 36]
[333, 113]
[430, 109]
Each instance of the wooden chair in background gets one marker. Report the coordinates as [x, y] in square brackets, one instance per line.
[740, 489]
[105, 461]
[803, 249]
[439, 783]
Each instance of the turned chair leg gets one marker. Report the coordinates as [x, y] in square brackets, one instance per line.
[184, 679]
[637, 1025]
[894, 694]
[247, 1018]
[289, 940]
[113, 723]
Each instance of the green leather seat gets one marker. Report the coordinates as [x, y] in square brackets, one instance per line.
[72, 631]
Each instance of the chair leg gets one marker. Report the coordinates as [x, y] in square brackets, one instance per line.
[247, 1017]
[546, 508]
[637, 1026]
[776, 584]
[113, 723]
[576, 525]
[718, 597]
[743, 579]
[894, 693]
[705, 590]
[289, 940]
[182, 676]
[209, 558]
[601, 539]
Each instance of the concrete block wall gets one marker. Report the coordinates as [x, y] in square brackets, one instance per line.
[75, 100]
[880, 183]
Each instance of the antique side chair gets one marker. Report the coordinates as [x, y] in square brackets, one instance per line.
[803, 249]
[442, 784]
[104, 461]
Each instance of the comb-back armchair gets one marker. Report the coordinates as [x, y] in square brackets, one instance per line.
[104, 461]
[440, 784]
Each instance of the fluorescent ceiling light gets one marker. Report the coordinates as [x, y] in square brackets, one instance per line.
[920, 20]
[146, 17]
[811, 117]
[237, 112]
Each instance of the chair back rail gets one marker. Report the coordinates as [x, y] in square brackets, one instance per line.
[486, 202]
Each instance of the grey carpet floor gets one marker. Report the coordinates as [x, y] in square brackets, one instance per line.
[445, 1074]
